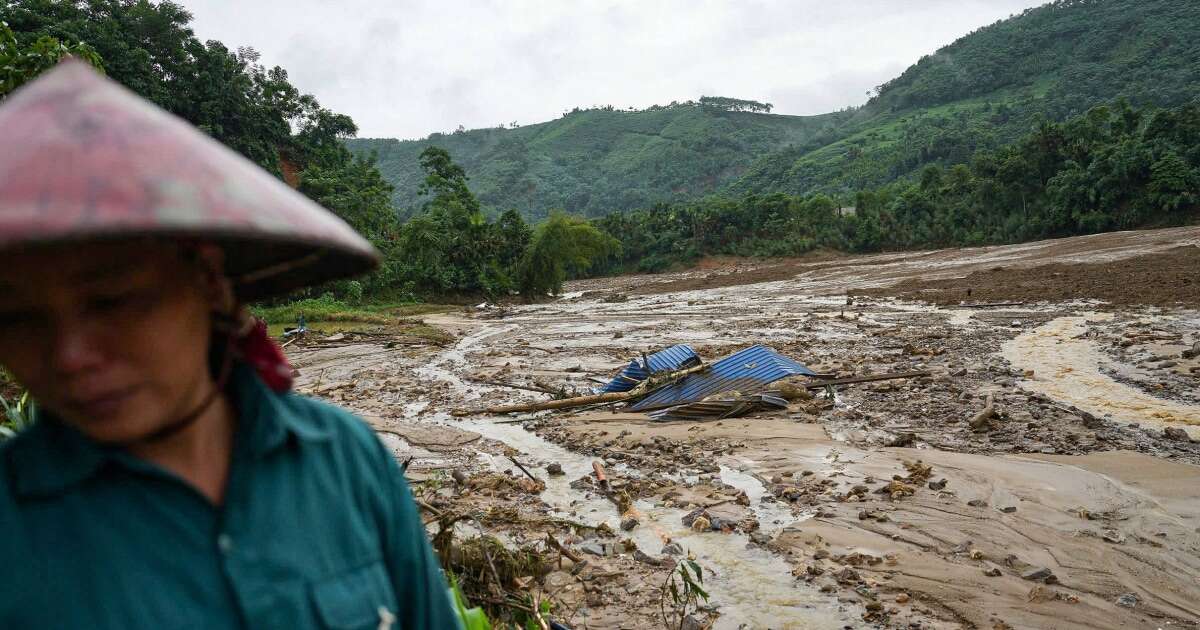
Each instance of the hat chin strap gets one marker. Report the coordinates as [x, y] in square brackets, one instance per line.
[179, 424]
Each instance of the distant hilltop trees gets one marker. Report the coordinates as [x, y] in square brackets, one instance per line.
[714, 103]
[725, 103]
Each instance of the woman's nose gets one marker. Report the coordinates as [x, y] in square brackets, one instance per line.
[75, 347]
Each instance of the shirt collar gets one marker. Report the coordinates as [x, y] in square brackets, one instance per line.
[51, 457]
[271, 419]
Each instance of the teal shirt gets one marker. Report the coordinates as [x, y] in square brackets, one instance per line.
[317, 530]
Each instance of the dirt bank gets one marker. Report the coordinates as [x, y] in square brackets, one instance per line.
[945, 272]
[1170, 278]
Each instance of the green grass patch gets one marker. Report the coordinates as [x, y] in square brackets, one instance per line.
[425, 331]
[328, 309]
[329, 315]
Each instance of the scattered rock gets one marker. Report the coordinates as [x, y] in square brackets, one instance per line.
[992, 571]
[645, 558]
[902, 598]
[1090, 421]
[940, 484]
[1127, 600]
[596, 549]
[1008, 509]
[1040, 574]
[554, 469]
[628, 524]
[1177, 434]
[672, 549]
[977, 503]
[846, 575]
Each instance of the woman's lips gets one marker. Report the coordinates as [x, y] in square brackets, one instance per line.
[105, 404]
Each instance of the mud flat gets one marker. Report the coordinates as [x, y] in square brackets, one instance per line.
[1076, 504]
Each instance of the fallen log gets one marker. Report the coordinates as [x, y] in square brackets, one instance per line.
[600, 476]
[529, 388]
[564, 403]
[523, 469]
[991, 304]
[553, 542]
[645, 387]
[865, 379]
[981, 419]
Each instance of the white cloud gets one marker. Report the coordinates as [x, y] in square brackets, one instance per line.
[408, 68]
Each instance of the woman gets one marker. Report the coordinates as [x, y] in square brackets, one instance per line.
[172, 481]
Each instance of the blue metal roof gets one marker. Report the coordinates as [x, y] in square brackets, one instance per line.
[747, 371]
[668, 359]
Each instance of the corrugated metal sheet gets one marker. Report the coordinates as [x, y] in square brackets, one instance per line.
[748, 372]
[668, 359]
[718, 409]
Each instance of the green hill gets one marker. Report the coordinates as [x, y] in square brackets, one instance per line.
[983, 91]
[992, 86]
[599, 160]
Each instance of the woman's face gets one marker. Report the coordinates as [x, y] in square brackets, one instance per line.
[111, 337]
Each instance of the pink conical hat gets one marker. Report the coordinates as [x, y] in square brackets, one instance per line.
[82, 158]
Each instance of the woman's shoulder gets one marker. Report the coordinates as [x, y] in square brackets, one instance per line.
[318, 419]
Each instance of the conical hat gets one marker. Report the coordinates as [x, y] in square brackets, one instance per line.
[82, 158]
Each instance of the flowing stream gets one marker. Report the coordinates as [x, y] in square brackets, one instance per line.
[1066, 367]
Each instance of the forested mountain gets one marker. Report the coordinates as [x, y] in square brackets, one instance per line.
[595, 161]
[992, 86]
[983, 91]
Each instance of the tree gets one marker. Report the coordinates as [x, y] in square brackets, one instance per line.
[560, 242]
[1173, 183]
[514, 235]
[149, 48]
[724, 103]
[21, 62]
[445, 181]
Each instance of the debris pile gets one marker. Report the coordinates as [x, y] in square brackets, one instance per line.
[675, 384]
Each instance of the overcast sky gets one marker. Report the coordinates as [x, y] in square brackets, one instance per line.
[407, 68]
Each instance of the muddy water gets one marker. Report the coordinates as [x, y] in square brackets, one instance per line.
[752, 587]
[1066, 368]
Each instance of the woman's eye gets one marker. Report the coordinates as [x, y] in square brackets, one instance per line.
[12, 319]
[104, 303]
[127, 301]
